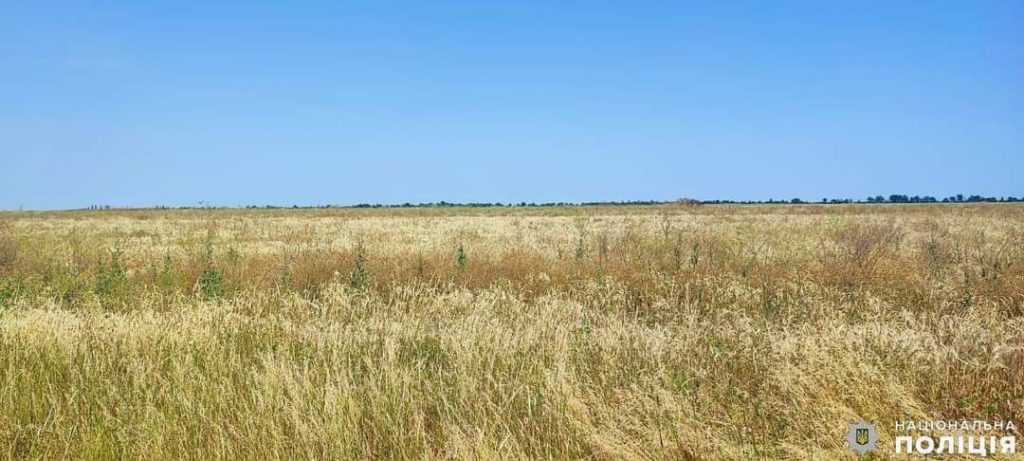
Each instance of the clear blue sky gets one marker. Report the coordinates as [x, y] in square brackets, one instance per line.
[146, 103]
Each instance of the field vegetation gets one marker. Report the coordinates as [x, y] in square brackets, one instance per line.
[645, 332]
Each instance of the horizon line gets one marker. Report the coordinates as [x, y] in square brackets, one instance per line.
[872, 200]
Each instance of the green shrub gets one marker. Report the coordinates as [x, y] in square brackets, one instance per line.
[210, 282]
[166, 278]
[211, 279]
[111, 279]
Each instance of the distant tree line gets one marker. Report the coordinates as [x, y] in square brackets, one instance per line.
[894, 198]
[958, 198]
[445, 204]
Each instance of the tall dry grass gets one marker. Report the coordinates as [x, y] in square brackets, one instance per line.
[606, 333]
[8, 246]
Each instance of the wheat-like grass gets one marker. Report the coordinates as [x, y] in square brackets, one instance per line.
[601, 333]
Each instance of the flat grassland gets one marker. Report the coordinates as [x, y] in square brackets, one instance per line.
[664, 332]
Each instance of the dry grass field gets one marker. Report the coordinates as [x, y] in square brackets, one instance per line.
[662, 332]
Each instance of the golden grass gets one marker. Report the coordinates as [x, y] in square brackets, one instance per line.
[606, 333]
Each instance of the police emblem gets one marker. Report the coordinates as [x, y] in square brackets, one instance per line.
[862, 437]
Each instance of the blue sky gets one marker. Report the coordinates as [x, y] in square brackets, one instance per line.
[147, 103]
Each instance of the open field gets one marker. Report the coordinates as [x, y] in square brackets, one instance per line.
[661, 332]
